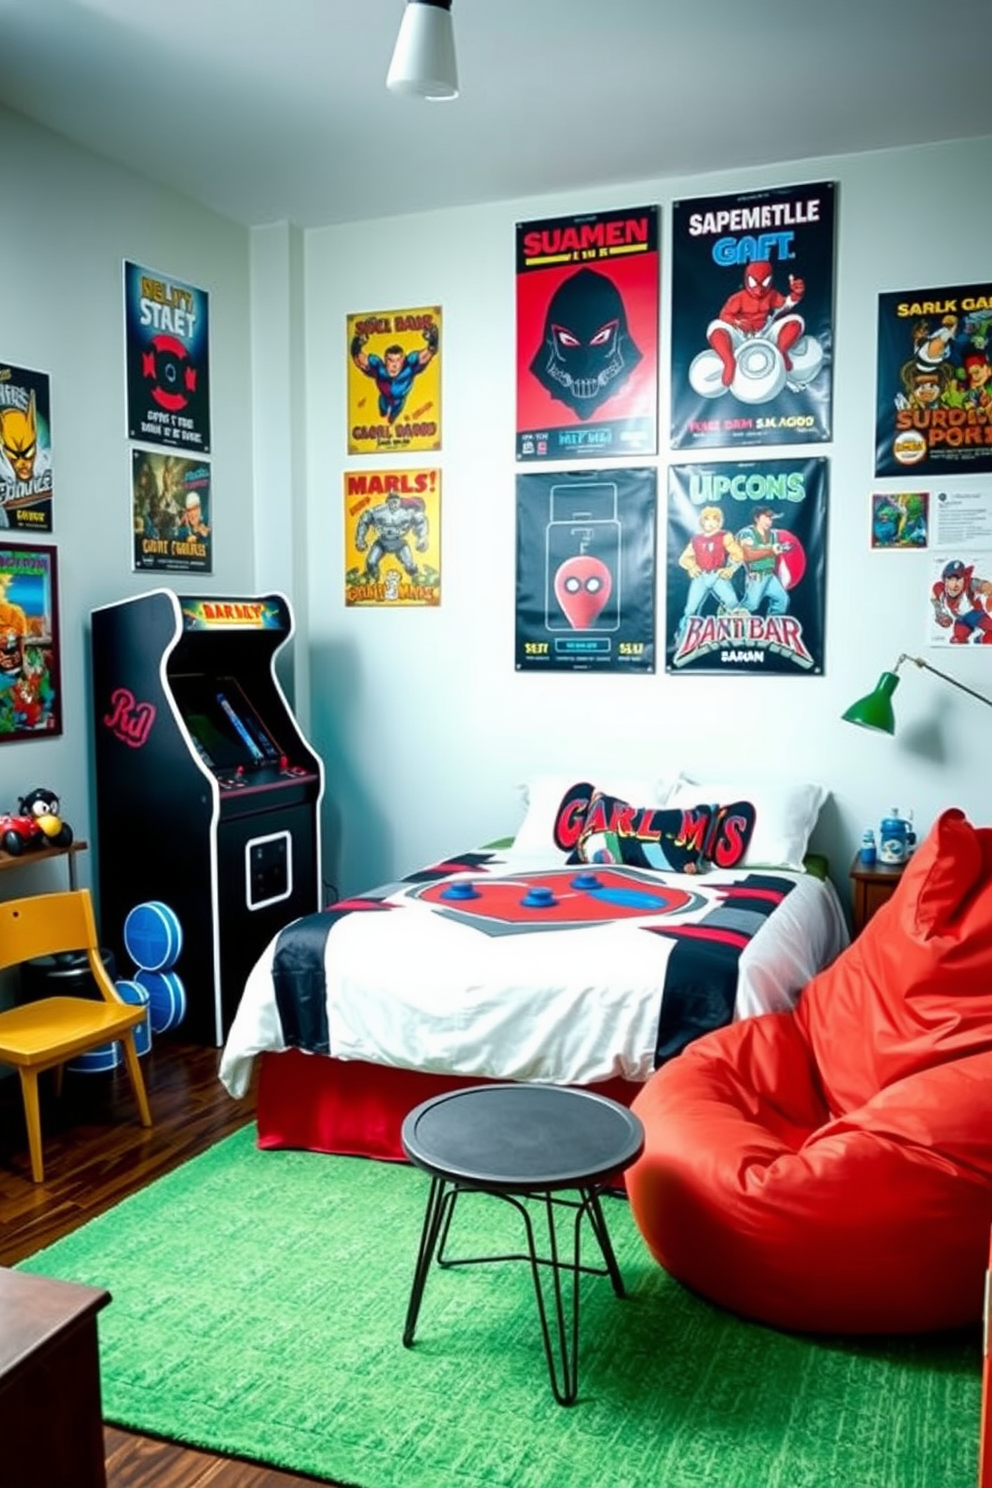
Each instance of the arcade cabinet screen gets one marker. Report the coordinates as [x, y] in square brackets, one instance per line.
[226, 730]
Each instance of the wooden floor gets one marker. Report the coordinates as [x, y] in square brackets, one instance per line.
[96, 1154]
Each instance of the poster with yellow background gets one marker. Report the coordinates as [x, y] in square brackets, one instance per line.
[392, 537]
[394, 381]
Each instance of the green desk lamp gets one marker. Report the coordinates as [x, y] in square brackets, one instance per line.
[875, 710]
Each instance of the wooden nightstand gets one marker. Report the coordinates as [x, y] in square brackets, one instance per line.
[50, 1406]
[872, 884]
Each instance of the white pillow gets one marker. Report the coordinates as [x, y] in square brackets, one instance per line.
[785, 815]
[543, 795]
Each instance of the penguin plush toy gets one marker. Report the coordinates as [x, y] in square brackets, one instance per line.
[37, 824]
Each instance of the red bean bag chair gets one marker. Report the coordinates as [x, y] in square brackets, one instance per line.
[830, 1169]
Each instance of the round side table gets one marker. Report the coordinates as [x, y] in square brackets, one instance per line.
[523, 1142]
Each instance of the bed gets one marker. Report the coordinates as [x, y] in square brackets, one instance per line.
[550, 958]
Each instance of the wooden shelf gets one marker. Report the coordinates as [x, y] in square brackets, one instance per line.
[39, 854]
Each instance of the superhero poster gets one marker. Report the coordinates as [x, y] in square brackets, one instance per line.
[587, 335]
[960, 597]
[752, 318]
[933, 403]
[586, 571]
[30, 684]
[394, 380]
[170, 508]
[25, 450]
[392, 538]
[746, 567]
[168, 361]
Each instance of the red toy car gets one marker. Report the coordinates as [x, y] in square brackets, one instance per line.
[35, 823]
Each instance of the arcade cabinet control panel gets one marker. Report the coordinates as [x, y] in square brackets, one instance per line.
[230, 737]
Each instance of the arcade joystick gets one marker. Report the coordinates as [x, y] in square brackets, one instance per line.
[539, 897]
[461, 890]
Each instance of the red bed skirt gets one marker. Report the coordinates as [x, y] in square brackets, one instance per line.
[346, 1106]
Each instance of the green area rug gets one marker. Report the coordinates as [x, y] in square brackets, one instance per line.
[258, 1306]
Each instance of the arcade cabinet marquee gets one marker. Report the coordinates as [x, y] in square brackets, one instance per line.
[207, 793]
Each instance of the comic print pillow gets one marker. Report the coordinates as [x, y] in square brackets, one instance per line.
[604, 829]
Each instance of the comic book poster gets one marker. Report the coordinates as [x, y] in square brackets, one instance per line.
[899, 520]
[587, 335]
[752, 318]
[170, 508]
[933, 403]
[392, 537]
[30, 677]
[960, 597]
[25, 450]
[394, 380]
[586, 570]
[746, 567]
[168, 360]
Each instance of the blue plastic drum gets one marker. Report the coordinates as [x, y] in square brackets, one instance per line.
[153, 936]
[96, 1061]
[137, 995]
[166, 998]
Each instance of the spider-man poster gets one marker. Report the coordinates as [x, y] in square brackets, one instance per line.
[587, 335]
[746, 555]
[752, 318]
[586, 570]
[168, 361]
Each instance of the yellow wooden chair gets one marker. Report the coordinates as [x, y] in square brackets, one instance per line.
[42, 1035]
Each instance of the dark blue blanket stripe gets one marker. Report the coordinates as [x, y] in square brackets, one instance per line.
[299, 975]
[300, 982]
[464, 863]
[702, 971]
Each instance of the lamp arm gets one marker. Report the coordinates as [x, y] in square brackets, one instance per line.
[918, 661]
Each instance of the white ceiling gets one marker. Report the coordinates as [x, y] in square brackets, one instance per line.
[271, 110]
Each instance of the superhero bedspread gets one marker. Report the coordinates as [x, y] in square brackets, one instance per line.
[503, 966]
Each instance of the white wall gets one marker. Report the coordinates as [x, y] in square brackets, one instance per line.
[423, 724]
[68, 220]
[422, 721]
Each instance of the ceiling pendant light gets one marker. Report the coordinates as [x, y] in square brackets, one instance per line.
[424, 64]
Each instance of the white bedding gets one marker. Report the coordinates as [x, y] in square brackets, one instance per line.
[431, 983]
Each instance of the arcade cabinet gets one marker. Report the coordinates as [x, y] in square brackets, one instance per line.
[207, 793]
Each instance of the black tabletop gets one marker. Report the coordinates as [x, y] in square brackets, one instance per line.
[519, 1137]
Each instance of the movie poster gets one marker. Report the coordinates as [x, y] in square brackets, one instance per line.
[587, 335]
[934, 392]
[25, 450]
[586, 570]
[746, 567]
[394, 381]
[168, 361]
[392, 538]
[170, 507]
[752, 318]
[30, 679]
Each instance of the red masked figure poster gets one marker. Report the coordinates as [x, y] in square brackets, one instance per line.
[752, 328]
[746, 567]
[168, 360]
[587, 335]
[586, 570]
